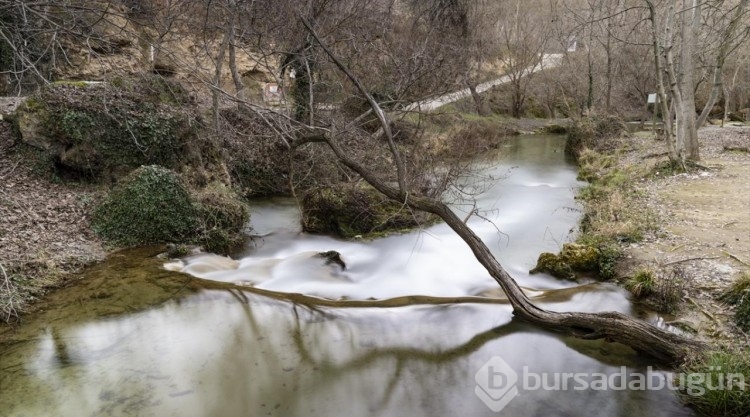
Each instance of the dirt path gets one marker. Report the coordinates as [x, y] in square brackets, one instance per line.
[705, 226]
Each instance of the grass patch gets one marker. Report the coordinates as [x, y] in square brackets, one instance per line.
[642, 283]
[738, 290]
[718, 383]
[738, 294]
[614, 212]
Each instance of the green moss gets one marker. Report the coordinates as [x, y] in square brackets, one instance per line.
[553, 265]
[580, 257]
[573, 257]
[719, 387]
[351, 211]
[150, 205]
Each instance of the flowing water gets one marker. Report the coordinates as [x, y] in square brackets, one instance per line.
[135, 339]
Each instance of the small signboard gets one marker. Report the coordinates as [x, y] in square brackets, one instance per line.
[272, 94]
[652, 98]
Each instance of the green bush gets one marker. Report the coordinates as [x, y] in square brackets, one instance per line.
[150, 205]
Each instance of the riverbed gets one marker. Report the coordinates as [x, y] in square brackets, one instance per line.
[134, 339]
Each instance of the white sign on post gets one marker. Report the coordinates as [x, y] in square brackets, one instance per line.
[652, 98]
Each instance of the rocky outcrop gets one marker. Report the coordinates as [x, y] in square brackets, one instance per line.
[105, 130]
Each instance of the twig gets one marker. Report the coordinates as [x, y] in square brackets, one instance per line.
[691, 259]
[735, 258]
[676, 248]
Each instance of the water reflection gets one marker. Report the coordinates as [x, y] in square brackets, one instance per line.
[214, 355]
[135, 340]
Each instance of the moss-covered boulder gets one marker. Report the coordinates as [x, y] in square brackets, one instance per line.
[223, 217]
[150, 205]
[553, 265]
[108, 128]
[354, 210]
[580, 257]
[573, 258]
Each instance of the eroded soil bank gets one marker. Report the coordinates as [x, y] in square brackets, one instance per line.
[703, 220]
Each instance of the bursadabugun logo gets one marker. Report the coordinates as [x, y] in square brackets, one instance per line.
[496, 384]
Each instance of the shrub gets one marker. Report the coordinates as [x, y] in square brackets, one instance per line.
[641, 284]
[712, 395]
[150, 205]
[598, 132]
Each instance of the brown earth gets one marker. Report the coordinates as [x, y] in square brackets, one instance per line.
[44, 228]
[704, 219]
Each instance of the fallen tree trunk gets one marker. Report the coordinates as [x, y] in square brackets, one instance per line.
[643, 337]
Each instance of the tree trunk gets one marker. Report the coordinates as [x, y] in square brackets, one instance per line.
[688, 130]
[724, 50]
[612, 326]
[479, 101]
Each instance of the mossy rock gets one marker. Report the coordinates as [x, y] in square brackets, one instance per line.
[553, 265]
[580, 257]
[223, 217]
[106, 130]
[352, 211]
[150, 205]
[573, 257]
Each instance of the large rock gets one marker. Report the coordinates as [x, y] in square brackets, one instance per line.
[572, 258]
[351, 210]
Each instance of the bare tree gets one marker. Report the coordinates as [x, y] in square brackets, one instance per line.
[676, 79]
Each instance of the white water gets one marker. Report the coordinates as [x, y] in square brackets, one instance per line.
[528, 210]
